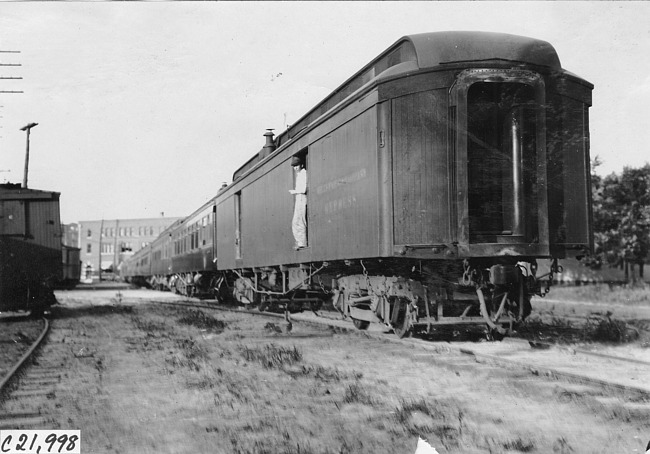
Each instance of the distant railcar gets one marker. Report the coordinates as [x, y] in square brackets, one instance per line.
[438, 175]
[30, 248]
[71, 267]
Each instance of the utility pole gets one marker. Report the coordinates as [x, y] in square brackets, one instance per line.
[101, 229]
[10, 65]
[27, 128]
[116, 253]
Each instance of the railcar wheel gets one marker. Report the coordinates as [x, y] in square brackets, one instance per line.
[360, 324]
[402, 332]
[181, 287]
[400, 318]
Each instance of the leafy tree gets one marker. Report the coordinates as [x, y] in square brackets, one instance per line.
[621, 206]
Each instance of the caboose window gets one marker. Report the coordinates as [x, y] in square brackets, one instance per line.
[501, 162]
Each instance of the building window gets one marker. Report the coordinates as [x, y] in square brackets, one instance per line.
[89, 248]
[90, 233]
[107, 249]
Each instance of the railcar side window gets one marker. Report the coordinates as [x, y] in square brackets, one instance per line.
[501, 160]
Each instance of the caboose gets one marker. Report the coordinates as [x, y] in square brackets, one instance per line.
[30, 248]
[438, 176]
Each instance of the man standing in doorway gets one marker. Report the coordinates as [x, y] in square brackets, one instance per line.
[299, 222]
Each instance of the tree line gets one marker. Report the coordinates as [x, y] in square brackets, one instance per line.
[621, 212]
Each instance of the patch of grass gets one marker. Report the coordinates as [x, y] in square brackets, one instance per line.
[201, 320]
[64, 312]
[603, 329]
[612, 330]
[419, 417]
[605, 293]
[356, 393]
[408, 407]
[207, 378]
[519, 445]
[281, 443]
[324, 374]
[271, 356]
[149, 326]
[238, 391]
[191, 355]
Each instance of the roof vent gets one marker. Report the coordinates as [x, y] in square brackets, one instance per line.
[269, 146]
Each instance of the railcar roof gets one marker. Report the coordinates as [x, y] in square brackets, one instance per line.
[426, 51]
[437, 48]
[430, 50]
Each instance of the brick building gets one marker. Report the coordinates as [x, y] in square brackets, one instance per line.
[110, 241]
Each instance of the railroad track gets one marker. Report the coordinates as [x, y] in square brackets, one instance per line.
[21, 357]
[24, 381]
[546, 361]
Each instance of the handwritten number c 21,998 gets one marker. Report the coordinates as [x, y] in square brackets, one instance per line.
[39, 442]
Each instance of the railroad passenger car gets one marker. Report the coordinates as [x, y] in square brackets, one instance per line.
[137, 269]
[193, 258]
[438, 175]
[30, 248]
[161, 259]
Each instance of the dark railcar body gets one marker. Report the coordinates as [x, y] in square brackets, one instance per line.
[395, 169]
[30, 248]
[437, 176]
[193, 254]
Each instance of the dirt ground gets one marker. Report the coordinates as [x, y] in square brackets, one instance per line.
[162, 379]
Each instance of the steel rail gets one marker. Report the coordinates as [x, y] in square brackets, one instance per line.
[25, 356]
[586, 352]
[551, 372]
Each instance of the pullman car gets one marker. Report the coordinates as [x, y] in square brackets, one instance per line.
[30, 248]
[438, 176]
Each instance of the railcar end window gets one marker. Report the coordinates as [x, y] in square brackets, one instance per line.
[501, 161]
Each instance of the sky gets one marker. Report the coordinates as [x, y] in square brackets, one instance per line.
[146, 108]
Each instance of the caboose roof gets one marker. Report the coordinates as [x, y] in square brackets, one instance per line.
[15, 192]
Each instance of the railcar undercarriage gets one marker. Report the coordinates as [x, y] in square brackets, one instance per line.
[403, 297]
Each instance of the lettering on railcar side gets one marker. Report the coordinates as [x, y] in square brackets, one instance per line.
[339, 204]
[333, 184]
